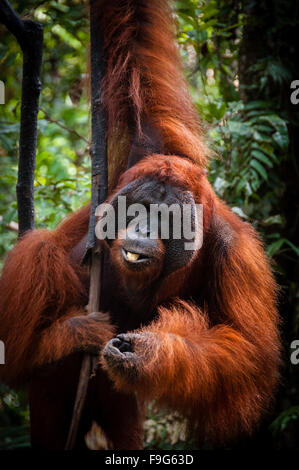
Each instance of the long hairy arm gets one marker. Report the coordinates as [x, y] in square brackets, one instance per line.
[221, 374]
[42, 316]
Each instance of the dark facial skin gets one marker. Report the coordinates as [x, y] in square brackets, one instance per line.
[142, 256]
[145, 263]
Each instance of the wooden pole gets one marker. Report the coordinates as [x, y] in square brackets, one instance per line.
[98, 154]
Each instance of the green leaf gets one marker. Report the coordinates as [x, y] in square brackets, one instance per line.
[260, 156]
[291, 245]
[240, 128]
[267, 149]
[259, 104]
[281, 140]
[275, 247]
[10, 59]
[3, 50]
[259, 168]
[274, 219]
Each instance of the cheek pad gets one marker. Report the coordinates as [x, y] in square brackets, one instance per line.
[147, 191]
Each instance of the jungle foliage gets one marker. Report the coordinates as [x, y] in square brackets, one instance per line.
[240, 59]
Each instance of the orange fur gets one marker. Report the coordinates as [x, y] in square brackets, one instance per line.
[144, 81]
[210, 364]
[210, 347]
[39, 289]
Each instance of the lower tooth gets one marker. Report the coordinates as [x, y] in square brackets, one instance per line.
[132, 256]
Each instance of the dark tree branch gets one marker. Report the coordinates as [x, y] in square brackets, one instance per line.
[10, 19]
[29, 35]
[62, 126]
[98, 152]
[98, 149]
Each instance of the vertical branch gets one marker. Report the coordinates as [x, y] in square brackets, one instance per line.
[99, 190]
[98, 150]
[31, 88]
[29, 35]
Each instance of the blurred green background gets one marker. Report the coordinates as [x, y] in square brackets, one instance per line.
[240, 59]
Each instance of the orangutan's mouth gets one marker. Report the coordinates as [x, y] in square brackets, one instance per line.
[133, 257]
